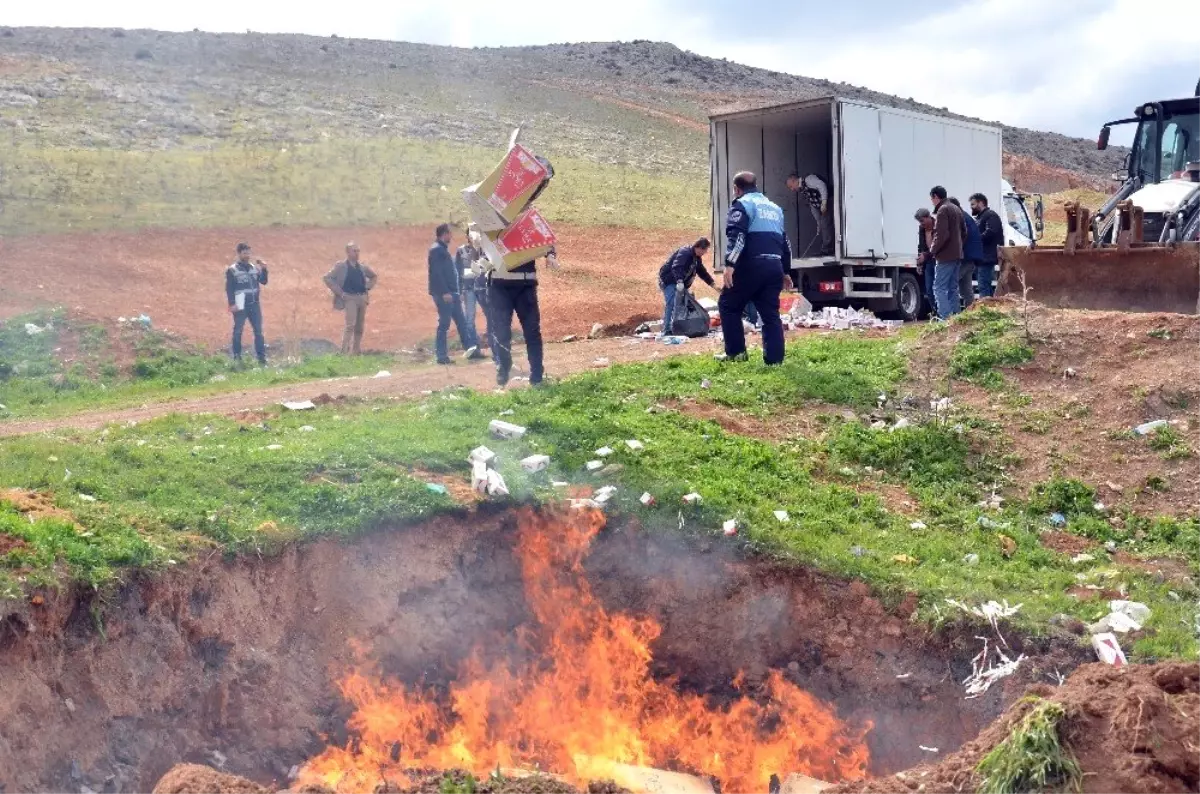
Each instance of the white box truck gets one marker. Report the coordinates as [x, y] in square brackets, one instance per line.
[879, 164]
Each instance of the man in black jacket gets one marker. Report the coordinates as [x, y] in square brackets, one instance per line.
[444, 289]
[677, 275]
[242, 281]
[510, 292]
[991, 229]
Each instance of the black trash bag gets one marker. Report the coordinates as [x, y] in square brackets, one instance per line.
[691, 319]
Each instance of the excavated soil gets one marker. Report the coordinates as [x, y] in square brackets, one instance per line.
[234, 663]
[1131, 729]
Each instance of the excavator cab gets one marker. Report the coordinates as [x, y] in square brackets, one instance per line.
[1138, 251]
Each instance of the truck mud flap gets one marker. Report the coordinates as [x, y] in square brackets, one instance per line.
[1141, 278]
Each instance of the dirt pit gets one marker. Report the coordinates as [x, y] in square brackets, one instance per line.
[287, 667]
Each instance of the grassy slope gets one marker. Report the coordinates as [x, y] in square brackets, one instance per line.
[166, 489]
[35, 382]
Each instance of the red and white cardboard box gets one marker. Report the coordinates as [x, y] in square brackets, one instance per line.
[529, 237]
[504, 194]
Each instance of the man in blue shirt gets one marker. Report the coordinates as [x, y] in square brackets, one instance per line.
[972, 256]
[444, 289]
[757, 254]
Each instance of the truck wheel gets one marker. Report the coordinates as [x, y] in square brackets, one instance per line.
[909, 297]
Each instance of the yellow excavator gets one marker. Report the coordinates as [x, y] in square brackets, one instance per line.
[1140, 251]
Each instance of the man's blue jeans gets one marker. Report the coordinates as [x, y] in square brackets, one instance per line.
[253, 314]
[669, 293]
[945, 288]
[984, 274]
[469, 302]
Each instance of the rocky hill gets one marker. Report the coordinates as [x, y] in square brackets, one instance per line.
[640, 103]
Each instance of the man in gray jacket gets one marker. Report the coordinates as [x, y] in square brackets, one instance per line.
[350, 280]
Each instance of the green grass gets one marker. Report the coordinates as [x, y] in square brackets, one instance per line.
[1168, 441]
[193, 483]
[329, 183]
[990, 340]
[35, 383]
[1032, 758]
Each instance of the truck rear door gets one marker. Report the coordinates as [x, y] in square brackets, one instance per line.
[861, 182]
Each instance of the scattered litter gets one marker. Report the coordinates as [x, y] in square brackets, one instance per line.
[1150, 427]
[857, 551]
[674, 340]
[535, 463]
[731, 527]
[436, 487]
[1081, 558]
[307, 429]
[1173, 595]
[1069, 372]
[53, 459]
[560, 484]
[918, 525]
[905, 559]
[879, 425]
[612, 469]
[86, 498]
[1008, 546]
[647, 499]
[495, 484]
[1108, 650]
[218, 379]
[1110, 546]
[570, 338]
[601, 363]
[274, 446]
[706, 384]
[901, 423]
[603, 452]
[604, 494]
[928, 749]
[479, 470]
[940, 406]
[32, 329]
[903, 676]
[383, 373]
[508, 412]
[971, 560]
[993, 502]
[1100, 507]
[635, 445]
[984, 673]
[1112, 486]
[693, 499]
[303, 405]
[782, 516]
[595, 465]
[597, 330]
[840, 319]
[506, 430]
[482, 454]
[1124, 616]
[1058, 519]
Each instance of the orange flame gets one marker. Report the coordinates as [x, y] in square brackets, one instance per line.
[587, 701]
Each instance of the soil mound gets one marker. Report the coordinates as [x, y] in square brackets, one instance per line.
[1131, 729]
[196, 779]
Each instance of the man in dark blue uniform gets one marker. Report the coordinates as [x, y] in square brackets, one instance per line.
[515, 292]
[757, 253]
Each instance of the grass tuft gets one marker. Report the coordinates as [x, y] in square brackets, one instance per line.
[991, 340]
[1032, 758]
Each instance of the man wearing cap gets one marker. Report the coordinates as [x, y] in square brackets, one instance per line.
[817, 193]
[350, 280]
[242, 282]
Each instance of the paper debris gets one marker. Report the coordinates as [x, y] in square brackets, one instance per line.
[306, 429]
[601, 363]
[32, 329]
[560, 484]
[840, 319]
[535, 463]
[731, 527]
[604, 494]
[917, 525]
[508, 412]
[1108, 650]
[302, 405]
[603, 452]
[274, 446]
[483, 454]
[984, 672]
[595, 465]
[479, 478]
[383, 373]
[647, 499]
[927, 749]
[901, 423]
[86, 498]
[971, 560]
[693, 499]
[635, 445]
[706, 384]
[905, 559]
[495, 484]
[1081, 558]
[501, 429]
[782, 516]
[992, 611]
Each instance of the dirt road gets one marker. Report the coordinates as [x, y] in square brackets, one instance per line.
[561, 359]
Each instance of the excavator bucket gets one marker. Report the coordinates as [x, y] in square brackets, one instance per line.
[1135, 277]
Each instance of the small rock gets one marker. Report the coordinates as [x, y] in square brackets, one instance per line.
[75, 772]
[1111, 547]
[706, 384]
[570, 338]
[793, 667]
[597, 331]
[917, 525]
[70, 704]
[1070, 372]
[1058, 519]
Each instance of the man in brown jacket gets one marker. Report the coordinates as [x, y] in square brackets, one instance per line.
[947, 251]
[350, 281]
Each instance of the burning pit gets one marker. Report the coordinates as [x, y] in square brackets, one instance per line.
[513, 640]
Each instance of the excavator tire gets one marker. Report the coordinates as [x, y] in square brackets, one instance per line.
[1142, 278]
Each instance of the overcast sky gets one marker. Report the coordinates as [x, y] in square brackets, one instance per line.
[1063, 65]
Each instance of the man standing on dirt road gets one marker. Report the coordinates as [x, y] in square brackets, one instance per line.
[350, 280]
[947, 251]
[757, 255]
[444, 289]
[242, 282]
[467, 260]
[515, 292]
[991, 234]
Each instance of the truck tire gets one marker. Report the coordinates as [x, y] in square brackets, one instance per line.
[910, 298]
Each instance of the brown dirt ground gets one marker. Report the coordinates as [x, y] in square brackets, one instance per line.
[175, 276]
[1031, 175]
[1079, 425]
[1131, 729]
[197, 779]
[34, 504]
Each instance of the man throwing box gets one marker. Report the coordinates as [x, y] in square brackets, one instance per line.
[756, 256]
[350, 280]
[817, 193]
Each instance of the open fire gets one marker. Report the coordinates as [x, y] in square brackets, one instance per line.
[580, 697]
